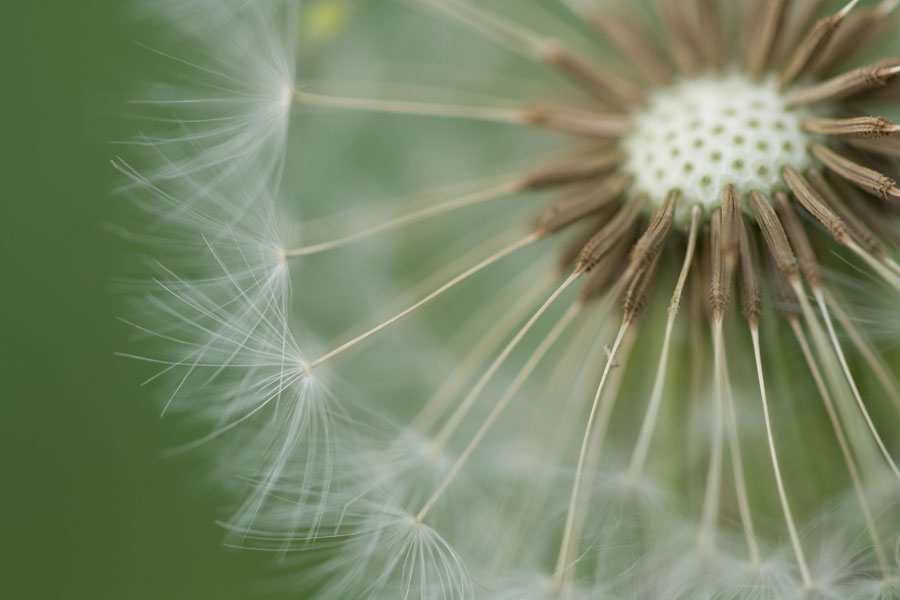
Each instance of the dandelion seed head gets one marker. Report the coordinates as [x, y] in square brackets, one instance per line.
[581, 440]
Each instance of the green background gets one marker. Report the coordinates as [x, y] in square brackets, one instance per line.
[88, 507]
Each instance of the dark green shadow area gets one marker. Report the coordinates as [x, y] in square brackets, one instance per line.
[88, 506]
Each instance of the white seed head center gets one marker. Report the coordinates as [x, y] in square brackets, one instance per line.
[704, 133]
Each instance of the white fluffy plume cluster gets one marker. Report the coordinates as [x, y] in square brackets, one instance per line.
[492, 432]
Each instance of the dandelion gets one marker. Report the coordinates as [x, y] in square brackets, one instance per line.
[692, 403]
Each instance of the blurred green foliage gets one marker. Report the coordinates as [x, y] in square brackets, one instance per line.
[88, 507]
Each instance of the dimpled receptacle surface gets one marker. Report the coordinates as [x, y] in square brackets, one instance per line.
[704, 133]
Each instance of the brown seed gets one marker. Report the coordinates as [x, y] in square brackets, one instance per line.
[889, 93]
[651, 243]
[635, 45]
[856, 127]
[571, 250]
[812, 45]
[608, 269]
[771, 22]
[774, 235]
[603, 85]
[571, 169]
[856, 35]
[719, 276]
[711, 32]
[806, 256]
[586, 201]
[853, 82]
[886, 146]
[578, 122]
[635, 299]
[864, 206]
[785, 298]
[751, 290]
[681, 36]
[805, 17]
[860, 176]
[749, 23]
[857, 228]
[815, 205]
[730, 238]
[612, 232]
[701, 284]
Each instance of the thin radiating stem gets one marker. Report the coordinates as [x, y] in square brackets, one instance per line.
[782, 494]
[642, 447]
[565, 120]
[710, 511]
[490, 339]
[737, 465]
[842, 442]
[605, 86]
[826, 316]
[504, 401]
[698, 362]
[475, 198]
[595, 450]
[563, 557]
[831, 369]
[874, 361]
[884, 270]
[334, 225]
[455, 259]
[465, 406]
[585, 349]
[450, 284]
[411, 108]
[501, 31]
